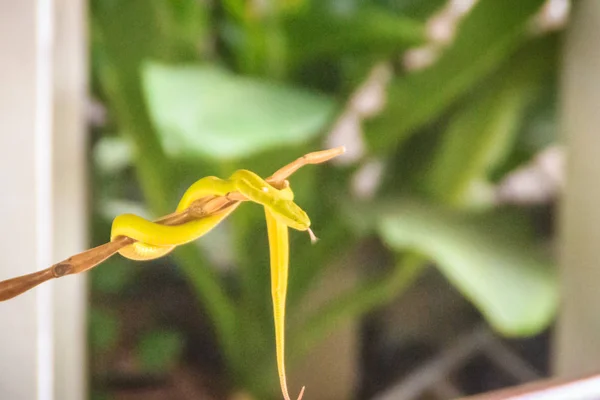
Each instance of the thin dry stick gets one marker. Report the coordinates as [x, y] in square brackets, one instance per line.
[201, 208]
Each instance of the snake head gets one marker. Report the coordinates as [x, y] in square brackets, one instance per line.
[279, 202]
[290, 214]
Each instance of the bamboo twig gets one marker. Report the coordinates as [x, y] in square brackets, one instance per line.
[201, 208]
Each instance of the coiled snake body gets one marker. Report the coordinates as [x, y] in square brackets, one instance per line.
[153, 240]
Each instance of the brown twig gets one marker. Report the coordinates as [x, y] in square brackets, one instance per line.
[199, 209]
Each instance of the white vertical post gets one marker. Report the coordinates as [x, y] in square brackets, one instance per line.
[42, 201]
[69, 195]
[578, 335]
[25, 203]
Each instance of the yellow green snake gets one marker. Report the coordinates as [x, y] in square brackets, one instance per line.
[154, 240]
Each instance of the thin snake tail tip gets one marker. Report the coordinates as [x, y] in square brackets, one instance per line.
[301, 393]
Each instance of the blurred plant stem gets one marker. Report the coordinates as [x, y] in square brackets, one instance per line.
[262, 50]
[357, 302]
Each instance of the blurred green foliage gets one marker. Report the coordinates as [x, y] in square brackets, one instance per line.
[203, 88]
[159, 350]
[209, 113]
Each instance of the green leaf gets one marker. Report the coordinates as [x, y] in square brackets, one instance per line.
[369, 30]
[202, 111]
[488, 35]
[418, 9]
[490, 258]
[480, 136]
[184, 24]
[159, 350]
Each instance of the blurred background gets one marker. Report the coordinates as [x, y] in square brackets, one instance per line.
[436, 274]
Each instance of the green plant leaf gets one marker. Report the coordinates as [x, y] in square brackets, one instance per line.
[184, 24]
[368, 30]
[480, 136]
[418, 9]
[490, 33]
[490, 258]
[159, 350]
[202, 111]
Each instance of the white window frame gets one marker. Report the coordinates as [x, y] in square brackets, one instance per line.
[42, 205]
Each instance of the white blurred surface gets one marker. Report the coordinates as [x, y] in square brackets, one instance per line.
[20, 252]
[578, 334]
[42, 331]
[69, 194]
